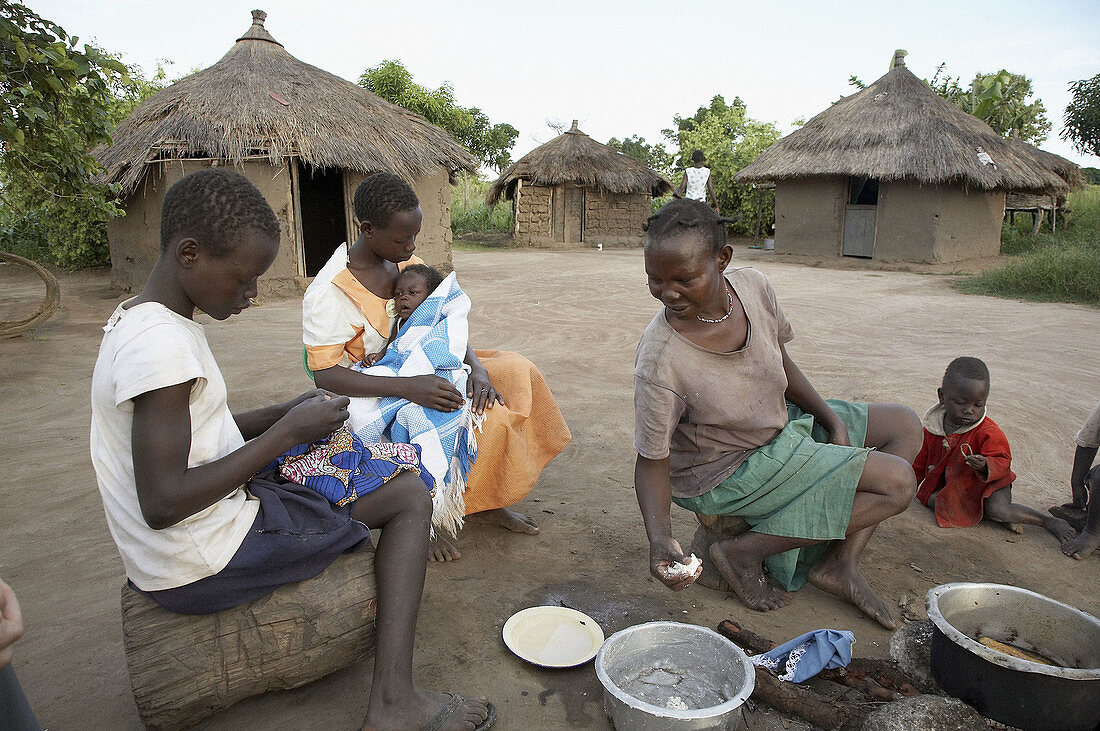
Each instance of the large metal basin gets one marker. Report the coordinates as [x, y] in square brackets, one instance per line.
[704, 658]
[1020, 693]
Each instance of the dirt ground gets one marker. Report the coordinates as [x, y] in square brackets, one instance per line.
[860, 334]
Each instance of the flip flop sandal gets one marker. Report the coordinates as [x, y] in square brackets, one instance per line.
[448, 710]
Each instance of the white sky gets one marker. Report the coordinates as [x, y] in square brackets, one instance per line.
[623, 68]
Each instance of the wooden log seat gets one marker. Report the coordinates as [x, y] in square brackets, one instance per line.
[184, 668]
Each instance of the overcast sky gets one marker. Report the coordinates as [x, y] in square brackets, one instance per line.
[623, 68]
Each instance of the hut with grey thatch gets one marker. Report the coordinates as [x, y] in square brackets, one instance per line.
[305, 137]
[897, 173]
[573, 190]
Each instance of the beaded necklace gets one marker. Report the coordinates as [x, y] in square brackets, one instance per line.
[729, 306]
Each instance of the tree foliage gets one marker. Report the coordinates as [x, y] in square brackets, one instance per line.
[730, 140]
[654, 156]
[490, 143]
[57, 101]
[1082, 117]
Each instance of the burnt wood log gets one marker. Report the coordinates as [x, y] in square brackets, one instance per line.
[184, 668]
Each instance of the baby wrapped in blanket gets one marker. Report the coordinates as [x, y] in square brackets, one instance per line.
[429, 337]
[386, 435]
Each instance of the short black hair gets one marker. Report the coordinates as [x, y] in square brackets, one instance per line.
[382, 195]
[682, 215]
[431, 275]
[698, 156]
[965, 368]
[213, 206]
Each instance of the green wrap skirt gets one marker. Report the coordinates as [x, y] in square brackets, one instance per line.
[797, 486]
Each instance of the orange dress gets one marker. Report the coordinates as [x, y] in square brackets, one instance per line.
[342, 321]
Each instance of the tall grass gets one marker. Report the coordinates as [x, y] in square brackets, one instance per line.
[1050, 267]
[476, 217]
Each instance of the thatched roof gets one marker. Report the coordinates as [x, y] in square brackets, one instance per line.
[574, 157]
[899, 129]
[259, 101]
[1067, 170]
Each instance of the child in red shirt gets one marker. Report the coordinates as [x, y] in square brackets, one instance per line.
[964, 464]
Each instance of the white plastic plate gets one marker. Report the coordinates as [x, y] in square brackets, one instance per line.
[553, 637]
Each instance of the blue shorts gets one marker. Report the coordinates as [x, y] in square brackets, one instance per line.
[296, 535]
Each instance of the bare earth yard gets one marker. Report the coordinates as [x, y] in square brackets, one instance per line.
[860, 334]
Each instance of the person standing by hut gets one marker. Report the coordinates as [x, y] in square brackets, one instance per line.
[697, 183]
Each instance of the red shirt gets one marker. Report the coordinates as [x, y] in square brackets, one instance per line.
[942, 470]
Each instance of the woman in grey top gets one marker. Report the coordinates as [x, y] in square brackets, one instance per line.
[727, 424]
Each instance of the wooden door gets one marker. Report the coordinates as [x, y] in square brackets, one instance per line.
[557, 213]
[574, 214]
[859, 230]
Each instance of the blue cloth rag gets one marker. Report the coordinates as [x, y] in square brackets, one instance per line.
[806, 656]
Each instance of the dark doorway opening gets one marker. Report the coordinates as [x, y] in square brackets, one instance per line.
[863, 192]
[321, 199]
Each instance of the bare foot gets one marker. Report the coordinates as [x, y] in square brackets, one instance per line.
[1016, 528]
[1082, 546]
[510, 519]
[441, 549]
[844, 580]
[446, 711]
[1060, 529]
[745, 573]
[1073, 515]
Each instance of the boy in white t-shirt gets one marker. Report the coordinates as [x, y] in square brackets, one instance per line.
[198, 529]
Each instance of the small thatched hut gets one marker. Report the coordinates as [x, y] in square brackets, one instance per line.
[305, 137]
[573, 190]
[897, 173]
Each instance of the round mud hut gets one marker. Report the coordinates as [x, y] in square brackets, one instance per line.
[897, 173]
[575, 191]
[303, 136]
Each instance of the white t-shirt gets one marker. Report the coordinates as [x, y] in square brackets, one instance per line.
[1089, 434]
[697, 179]
[145, 348]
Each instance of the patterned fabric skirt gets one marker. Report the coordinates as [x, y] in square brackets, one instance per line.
[797, 486]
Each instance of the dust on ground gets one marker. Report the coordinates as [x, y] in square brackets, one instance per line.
[860, 334]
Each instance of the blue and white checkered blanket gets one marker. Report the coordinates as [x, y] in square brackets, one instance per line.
[432, 340]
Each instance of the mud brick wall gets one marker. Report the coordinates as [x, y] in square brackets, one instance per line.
[533, 219]
[615, 219]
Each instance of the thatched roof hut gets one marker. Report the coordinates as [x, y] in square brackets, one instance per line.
[291, 125]
[896, 172]
[575, 190]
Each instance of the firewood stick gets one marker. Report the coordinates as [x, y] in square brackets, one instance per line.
[804, 703]
[744, 638]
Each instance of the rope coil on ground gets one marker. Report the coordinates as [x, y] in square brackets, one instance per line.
[14, 328]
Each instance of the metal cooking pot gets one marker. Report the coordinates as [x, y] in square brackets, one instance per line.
[699, 651]
[1020, 693]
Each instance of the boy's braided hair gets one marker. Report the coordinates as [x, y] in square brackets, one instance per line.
[214, 206]
[432, 276]
[681, 215]
[382, 195]
[965, 368]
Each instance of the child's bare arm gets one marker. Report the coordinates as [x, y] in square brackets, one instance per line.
[169, 491]
[802, 394]
[254, 423]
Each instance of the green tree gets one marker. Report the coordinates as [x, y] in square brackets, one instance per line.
[490, 143]
[57, 101]
[654, 156]
[1082, 118]
[730, 140]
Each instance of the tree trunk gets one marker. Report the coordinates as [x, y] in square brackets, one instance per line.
[1037, 219]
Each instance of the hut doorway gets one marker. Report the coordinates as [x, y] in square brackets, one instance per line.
[568, 214]
[859, 218]
[321, 212]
